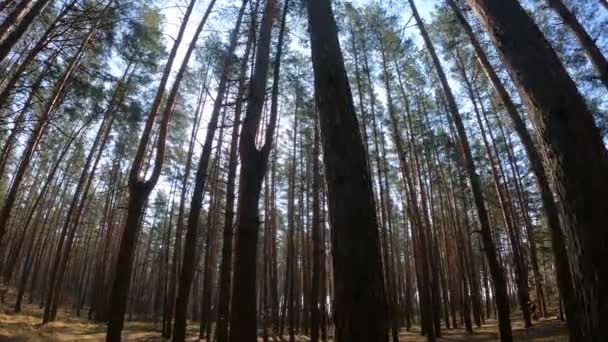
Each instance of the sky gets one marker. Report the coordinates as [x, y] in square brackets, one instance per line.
[173, 12]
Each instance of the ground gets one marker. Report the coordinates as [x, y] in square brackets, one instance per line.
[25, 326]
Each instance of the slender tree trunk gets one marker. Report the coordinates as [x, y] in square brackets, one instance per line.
[221, 331]
[291, 257]
[36, 133]
[591, 49]
[316, 240]
[198, 191]
[360, 306]
[14, 18]
[41, 44]
[176, 258]
[17, 26]
[139, 190]
[211, 238]
[520, 266]
[500, 285]
[5, 4]
[254, 164]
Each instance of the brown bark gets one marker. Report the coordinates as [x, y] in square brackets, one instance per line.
[223, 314]
[254, 163]
[577, 166]
[5, 4]
[211, 237]
[360, 301]
[15, 17]
[139, 190]
[316, 240]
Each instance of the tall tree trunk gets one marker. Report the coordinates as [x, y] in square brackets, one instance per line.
[176, 258]
[316, 240]
[139, 190]
[290, 255]
[211, 236]
[254, 163]
[223, 313]
[500, 285]
[578, 166]
[360, 301]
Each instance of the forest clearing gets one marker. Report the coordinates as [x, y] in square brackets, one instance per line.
[319, 170]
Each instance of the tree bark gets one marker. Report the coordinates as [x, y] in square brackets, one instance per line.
[360, 301]
[187, 273]
[254, 162]
[316, 240]
[225, 283]
[139, 190]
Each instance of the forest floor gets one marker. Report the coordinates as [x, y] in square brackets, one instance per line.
[25, 326]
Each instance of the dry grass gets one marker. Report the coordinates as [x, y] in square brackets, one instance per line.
[25, 326]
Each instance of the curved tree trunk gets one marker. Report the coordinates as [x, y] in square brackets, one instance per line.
[254, 162]
[139, 190]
